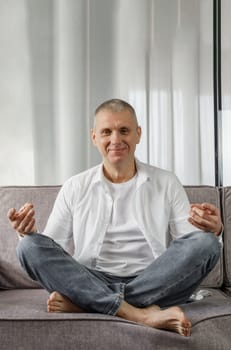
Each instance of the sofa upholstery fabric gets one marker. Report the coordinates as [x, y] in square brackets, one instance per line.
[13, 276]
[11, 273]
[210, 195]
[25, 324]
[226, 211]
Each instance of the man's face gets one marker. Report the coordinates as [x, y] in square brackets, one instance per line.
[116, 135]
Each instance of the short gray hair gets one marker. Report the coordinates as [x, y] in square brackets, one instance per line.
[116, 105]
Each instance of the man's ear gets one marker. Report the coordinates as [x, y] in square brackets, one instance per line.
[93, 136]
[139, 133]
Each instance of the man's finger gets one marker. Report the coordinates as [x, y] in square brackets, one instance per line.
[202, 225]
[30, 227]
[210, 207]
[194, 223]
[198, 212]
[10, 214]
[196, 205]
[204, 219]
[26, 221]
[23, 212]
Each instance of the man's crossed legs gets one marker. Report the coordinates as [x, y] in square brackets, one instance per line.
[149, 298]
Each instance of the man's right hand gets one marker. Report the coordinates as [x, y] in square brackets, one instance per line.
[23, 221]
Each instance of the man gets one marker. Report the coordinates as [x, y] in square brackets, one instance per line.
[114, 219]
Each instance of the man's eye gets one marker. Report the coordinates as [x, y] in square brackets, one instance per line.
[124, 131]
[105, 132]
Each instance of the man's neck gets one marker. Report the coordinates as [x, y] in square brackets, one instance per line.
[118, 174]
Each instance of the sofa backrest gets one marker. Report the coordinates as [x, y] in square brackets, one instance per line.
[11, 274]
[209, 194]
[226, 213]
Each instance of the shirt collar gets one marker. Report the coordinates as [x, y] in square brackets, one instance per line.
[98, 176]
[142, 172]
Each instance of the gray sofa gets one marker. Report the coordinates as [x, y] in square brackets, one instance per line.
[25, 324]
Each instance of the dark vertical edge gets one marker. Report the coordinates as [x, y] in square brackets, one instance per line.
[217, 92]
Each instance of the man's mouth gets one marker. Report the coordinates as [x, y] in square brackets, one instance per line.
[116, 149]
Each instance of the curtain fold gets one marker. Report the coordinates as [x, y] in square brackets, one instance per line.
[70, 87]
[156, 54]
[16, 110]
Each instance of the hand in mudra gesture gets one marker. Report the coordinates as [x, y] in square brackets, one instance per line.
[23, 220]
[206, 217]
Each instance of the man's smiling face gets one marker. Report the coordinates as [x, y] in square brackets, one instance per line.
[116, 135]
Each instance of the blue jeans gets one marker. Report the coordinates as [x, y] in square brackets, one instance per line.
[169, 280]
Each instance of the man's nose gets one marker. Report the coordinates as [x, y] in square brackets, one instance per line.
[115, 137]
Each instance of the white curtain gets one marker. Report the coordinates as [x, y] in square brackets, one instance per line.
[60, 59]
[16, 117]
[181, 113]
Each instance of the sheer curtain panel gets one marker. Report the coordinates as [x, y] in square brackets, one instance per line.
[60, 59]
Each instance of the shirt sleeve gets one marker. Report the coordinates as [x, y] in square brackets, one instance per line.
[180, 207]
[60, 222]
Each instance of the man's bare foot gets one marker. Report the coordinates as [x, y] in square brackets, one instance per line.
[59, 303]
[172, 319]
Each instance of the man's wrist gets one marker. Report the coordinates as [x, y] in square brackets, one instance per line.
[220, 231]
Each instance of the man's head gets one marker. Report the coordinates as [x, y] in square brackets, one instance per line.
[116, 106]
[116, 132]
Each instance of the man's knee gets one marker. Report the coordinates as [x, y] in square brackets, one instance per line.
[207, 240]
[23, 246]
[30, 245]
[206, 244]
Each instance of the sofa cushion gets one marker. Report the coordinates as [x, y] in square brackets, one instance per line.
[11, 273]
[200, 194]
[226, 204]
[23, 317]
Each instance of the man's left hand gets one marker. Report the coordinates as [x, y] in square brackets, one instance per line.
[206, 217]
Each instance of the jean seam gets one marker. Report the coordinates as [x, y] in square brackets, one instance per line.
[117, 302]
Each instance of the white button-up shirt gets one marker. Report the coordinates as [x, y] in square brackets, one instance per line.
[83, 208]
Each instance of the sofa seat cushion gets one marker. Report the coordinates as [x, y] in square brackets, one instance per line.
[25, 324]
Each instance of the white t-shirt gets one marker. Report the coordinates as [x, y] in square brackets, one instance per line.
[125, 251]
